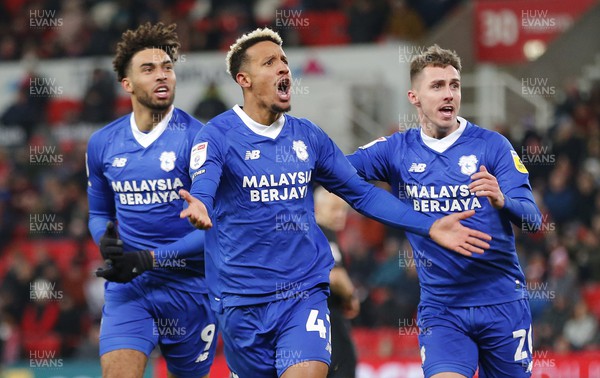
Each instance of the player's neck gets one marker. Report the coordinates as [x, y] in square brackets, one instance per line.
[259, 114]
[438, 132]
[147, 119]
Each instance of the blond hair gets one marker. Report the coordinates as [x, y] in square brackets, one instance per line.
[237, 51]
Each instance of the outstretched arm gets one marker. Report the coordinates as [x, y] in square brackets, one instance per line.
[338, 175]
[196, 212]
[380, 205]
[372, 162]
[449, 233]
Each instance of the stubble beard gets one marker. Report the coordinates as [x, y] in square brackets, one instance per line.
[278, 109]
[154, 105]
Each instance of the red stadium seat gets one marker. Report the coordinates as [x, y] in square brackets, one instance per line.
[123, 106]
[386, 342]
[591, 296]
[61, 110]
[366, 342]
[41, 348]
[61, 252]
[406, 342]
[324, 28]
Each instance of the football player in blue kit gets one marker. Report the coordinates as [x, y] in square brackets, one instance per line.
[155, 292]
[474, 310]
[267, 262]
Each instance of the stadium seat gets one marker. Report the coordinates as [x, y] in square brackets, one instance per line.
[386, 342]
[591, 295]
[122, 106]
[43, 347]
[325, 28]
[60, 251]
[406, 344]
[366, 342]
[61, 110]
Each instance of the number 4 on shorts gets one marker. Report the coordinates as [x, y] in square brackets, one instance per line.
[313, 323]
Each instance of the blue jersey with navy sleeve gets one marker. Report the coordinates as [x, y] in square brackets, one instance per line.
[437, 182]
[138, 186]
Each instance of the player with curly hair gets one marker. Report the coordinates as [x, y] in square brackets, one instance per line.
[155, 292]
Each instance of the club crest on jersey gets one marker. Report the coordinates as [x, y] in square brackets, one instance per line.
[167, 161]
[468, 164]
[198, 156]
[301, 150]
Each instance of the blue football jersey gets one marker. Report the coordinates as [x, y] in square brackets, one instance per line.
[264, 244]
[437, 182]
[139, 186]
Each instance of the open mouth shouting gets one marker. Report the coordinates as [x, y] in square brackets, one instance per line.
[447, 111]
[162, 92]
[284, 86]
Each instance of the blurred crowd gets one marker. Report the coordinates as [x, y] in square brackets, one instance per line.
[46, 29]
[49, 298]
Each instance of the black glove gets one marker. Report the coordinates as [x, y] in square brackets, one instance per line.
[124, 267]
[110, 244]
[121, 267]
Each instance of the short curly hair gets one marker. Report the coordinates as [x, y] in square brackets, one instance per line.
[237, 52]
[434, 56]
[146, 36]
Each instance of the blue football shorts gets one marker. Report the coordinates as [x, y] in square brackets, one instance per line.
[264, 340]
[144, 313]
[495, 338]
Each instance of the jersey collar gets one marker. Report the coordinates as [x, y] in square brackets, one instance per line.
[441, 145]
[271, 131]
[146, 139]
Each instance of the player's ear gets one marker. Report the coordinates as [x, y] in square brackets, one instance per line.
[126, 85]
[413, 98]
[243, 79]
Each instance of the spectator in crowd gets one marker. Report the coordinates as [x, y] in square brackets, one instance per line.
[99, 98]
[537, 157]
[21, 113]
[559, 196]
[403, 22]
[586, 195]
[10, 343]
[366, 20]
[551, 324]
[568, 143]
[539, 295]
[211, 104]
[580, 330]
[40, 318]
[77, 28]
